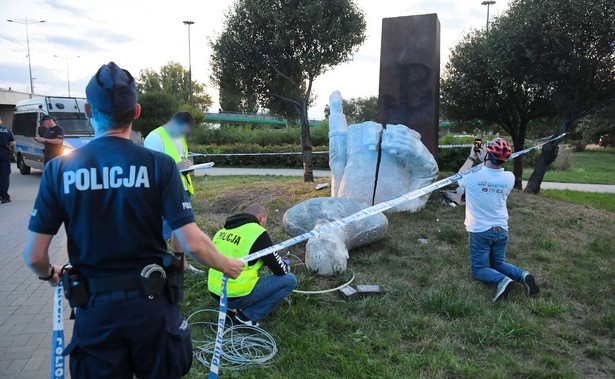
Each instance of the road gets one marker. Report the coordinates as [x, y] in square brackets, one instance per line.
[25, 313]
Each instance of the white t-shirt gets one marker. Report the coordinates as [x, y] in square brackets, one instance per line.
[486, 194]
[153, 141]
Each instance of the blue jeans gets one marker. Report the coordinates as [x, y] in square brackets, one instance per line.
[265, 296]
[488, 255]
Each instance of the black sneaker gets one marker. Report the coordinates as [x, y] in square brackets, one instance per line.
[504, 287]
[4, 201]
[531, 288]
[241, 319]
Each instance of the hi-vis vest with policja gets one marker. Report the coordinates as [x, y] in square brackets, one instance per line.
[236, 243]
[171, 150]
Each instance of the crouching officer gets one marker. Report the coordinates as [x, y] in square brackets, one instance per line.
[110, 195]
[252, 297]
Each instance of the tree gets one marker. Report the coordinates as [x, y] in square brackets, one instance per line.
[276, 48]
[481, 83]
[157, 107]
[173, 79]
[358, 110]
[567, 47]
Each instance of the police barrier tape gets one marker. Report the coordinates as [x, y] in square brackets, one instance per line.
[58, 365]
[375, 209]
[293, 153]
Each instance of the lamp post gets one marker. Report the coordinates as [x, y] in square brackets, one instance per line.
[67, 69]
[488, 4]
[26, 23]
[189, 61]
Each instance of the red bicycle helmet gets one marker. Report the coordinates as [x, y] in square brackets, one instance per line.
[499, 149]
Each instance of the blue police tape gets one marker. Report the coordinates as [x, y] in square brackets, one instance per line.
[57, 339]
[375, 209]
[293, 153]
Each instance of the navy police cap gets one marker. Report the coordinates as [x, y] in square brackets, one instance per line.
[112, 89]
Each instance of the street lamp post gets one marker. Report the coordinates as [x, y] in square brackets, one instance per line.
[26, 23]
[488, 4]
[189, 61]
[67, 69]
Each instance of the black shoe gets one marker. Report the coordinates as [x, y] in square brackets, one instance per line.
[4, 201]
[531, 288]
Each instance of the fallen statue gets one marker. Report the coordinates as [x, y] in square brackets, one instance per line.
[327, 254]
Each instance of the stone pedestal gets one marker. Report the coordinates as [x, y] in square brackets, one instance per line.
[410, 75]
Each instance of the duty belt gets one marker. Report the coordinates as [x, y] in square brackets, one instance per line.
[129, 282]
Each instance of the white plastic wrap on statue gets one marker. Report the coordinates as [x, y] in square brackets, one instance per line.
[405, 163]
[337, 141]
[327, 254]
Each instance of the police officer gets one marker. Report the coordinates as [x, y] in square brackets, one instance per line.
[52, 139]
[6, 143]
[170, 139]
[111, 195]
[252, 297]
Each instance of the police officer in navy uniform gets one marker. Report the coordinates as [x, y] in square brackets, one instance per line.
[6, 143]
[52, 139]
[110, 195]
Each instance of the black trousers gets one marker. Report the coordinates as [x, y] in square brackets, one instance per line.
[5, 177]
[123, 334]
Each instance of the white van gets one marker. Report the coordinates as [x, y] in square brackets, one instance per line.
[68, 112]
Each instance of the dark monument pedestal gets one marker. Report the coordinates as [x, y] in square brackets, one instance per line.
[410, 75]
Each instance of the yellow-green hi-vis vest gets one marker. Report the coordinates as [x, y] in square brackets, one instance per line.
[171, 150]
[236, 243]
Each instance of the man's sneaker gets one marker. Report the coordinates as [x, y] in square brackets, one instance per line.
[4, 201]
[504, 287]
[531, 288]
[193, 271]
[241, 319]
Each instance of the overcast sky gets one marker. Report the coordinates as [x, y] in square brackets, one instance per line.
[139, 34]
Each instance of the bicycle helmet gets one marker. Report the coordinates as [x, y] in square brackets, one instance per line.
[498, 151]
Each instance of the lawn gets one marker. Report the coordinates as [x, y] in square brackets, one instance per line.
[605, 201]
[596, 166]
[433, 319]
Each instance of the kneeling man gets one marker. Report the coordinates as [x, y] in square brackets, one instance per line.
[253, 297]
[487, 221]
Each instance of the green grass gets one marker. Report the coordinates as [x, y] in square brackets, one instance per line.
[595, 166]
[433, 319]
[605, 201]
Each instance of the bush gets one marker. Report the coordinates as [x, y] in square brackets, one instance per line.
[563, 162]
[230, 134]
[321, 161]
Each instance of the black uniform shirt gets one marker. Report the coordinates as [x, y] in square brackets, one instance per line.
[53, 150]
[111, 195]
[6, 137]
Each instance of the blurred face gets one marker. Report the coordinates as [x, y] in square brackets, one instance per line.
[48, 124]
[179, 129]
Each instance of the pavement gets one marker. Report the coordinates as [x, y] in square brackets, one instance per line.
[26, 302]
[228, 171]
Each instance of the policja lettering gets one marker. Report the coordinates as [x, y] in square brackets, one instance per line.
[89, 179]
[230, 237]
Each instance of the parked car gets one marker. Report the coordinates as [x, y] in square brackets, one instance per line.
[607, 141]
[68, 112]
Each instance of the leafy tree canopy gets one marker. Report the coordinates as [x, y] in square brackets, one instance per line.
[272, 50]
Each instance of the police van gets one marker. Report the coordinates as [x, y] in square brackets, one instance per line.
[68, 112]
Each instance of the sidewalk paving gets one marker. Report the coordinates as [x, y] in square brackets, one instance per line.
[26, 302]
[224, 171]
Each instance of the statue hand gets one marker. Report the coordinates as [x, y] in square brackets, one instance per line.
[401, 141]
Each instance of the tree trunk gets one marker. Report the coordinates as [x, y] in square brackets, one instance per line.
[547, 156]
[306, 148]
[518, 171]
[519, 144]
